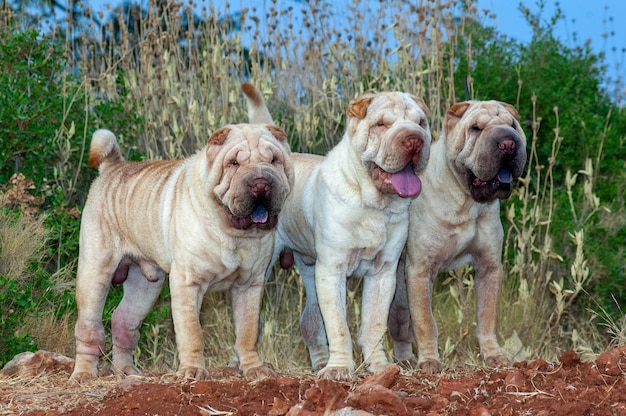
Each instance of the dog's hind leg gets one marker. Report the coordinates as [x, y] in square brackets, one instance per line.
[311, 321]
[140, 294]
[96, 269]
[399, 322]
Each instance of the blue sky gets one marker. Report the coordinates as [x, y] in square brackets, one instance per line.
[584, 20]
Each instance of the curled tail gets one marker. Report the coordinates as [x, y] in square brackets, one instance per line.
[257, 110]
[104, 148]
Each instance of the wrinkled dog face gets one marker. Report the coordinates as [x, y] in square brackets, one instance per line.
[256, 173]
[489, 146]
[391, 132]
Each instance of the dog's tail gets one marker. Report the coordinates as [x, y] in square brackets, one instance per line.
[104, 148]
[257, 110]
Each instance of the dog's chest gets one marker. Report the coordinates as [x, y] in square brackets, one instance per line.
[378, 240]
[240, 261]
[457, 241]
[246, 254]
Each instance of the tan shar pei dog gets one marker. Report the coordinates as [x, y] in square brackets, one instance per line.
[348, 215]
[457, 221]
[208, 221]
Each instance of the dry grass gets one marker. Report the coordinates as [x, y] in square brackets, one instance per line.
[22, 241]
[22, 395]
[52, 333]
[185, 89]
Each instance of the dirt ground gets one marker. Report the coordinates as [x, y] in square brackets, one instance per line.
[38, 385]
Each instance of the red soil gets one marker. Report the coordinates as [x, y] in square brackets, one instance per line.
[568, 387]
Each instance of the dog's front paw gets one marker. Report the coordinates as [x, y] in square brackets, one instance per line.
[259, 373]
[377, 367]
[317, 367]
[82, 377]
[498, 361]
[430, 366]
[336, 373]
[129, 370]
[197, 373]
[409, 364]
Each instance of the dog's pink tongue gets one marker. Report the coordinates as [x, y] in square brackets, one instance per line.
[259, 215]
[406, 183]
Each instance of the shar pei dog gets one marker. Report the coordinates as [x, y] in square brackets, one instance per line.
[207, 221]
[348, 215]
[473, 165]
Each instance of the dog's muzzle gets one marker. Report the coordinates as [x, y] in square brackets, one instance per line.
[258, 205]
[506, 161]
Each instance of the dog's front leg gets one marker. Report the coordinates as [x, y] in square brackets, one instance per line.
[247, 312]
[330, 284]
[419, 285]
[488, 280]
[186, 296]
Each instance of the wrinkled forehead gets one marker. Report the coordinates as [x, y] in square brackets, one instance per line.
[395, 105]
[250, 134]
[250, 138]
[488, 113]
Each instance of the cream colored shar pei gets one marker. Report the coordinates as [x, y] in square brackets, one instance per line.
[207, 221]
[348, 215]
[457, 221]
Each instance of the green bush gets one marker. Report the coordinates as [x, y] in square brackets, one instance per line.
[46, 118]
[14, 303]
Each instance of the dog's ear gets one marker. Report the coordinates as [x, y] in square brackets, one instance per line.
[277, 132]
[510, 109]
[358, 107]
[422, 105]
[455, 113]
[219, 137]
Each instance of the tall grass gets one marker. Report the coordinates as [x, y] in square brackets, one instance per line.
[180, 77]
[22, 242]
[183, 77]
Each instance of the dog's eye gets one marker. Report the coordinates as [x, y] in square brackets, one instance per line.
[234, 162]
[380, 123]
[423, 124]
[475, 129]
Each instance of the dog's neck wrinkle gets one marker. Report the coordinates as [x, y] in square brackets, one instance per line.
[202, 196]
[360, 179]
[437, 182]
[354, 175]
